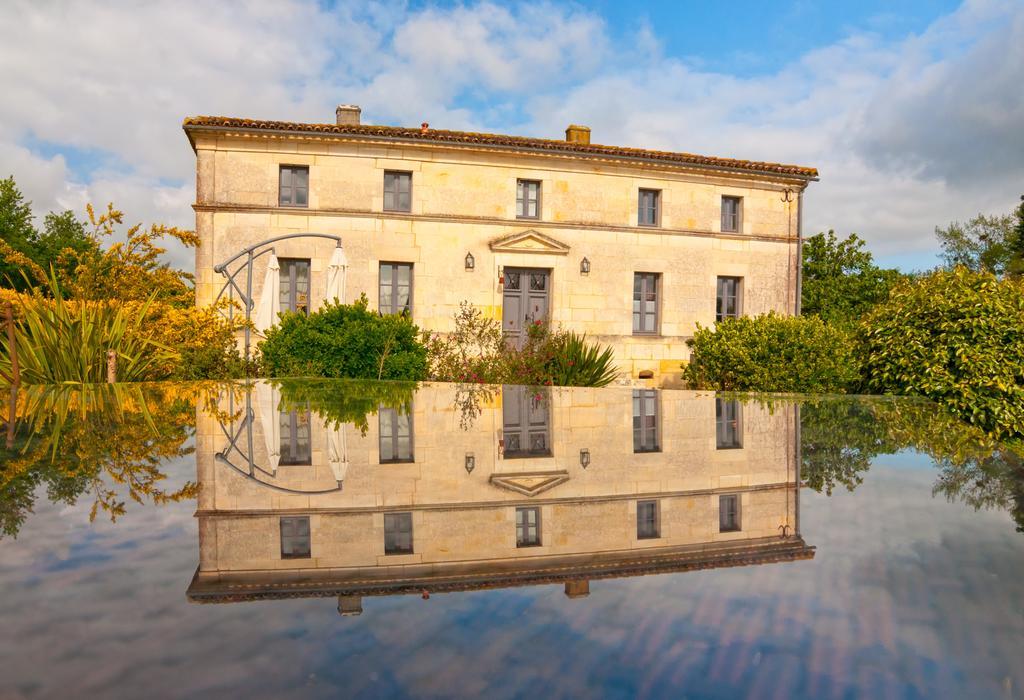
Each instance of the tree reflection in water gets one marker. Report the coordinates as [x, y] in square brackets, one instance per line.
[841, 437]
[106, 442]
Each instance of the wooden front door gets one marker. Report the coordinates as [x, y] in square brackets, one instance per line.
[525, 301]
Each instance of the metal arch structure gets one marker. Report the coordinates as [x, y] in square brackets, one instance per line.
[251, 470]
[245, 258]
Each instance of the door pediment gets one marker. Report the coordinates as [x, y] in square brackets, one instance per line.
[530, 484]
[529, 241]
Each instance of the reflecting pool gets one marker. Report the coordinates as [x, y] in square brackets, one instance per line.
[321, 538]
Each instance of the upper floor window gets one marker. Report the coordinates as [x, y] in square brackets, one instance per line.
[295, 440]
[645, 303]
[645, 420]
[398, 533]
[395, 434]
[397, 190]
[727, 301]
[647, 525]
[527, 527]
[528, 199]
[293, 189]
[729, 513]
[294, 285]
[295, 537]
[732, 210]
[395, 288]
[649, 208]
[728, 425]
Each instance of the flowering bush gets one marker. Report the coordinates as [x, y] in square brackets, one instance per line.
[202, 337]
[476, 352]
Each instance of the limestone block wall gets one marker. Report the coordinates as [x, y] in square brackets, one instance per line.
[463, 200]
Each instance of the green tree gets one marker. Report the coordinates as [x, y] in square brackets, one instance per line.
[27, 252]
[61, 242]
[17, 234]
[983, 244]
[1016, 244]
[840, 279]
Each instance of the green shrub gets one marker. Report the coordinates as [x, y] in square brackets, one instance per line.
[772, 353]
[345, 341]
[956, 337]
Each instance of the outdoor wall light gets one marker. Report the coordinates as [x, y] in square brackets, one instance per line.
[470, 462]
[470, 261]
[584, 267]
[584, 458]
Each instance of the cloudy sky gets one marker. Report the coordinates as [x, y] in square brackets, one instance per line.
[912, 111]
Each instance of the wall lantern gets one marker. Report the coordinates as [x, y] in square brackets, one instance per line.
[470, 261]
[584, 267]
[584, 458]
[470, 462]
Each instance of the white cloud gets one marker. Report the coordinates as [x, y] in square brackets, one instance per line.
[906, 134]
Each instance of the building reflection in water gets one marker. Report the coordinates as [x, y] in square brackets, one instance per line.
[356, 491]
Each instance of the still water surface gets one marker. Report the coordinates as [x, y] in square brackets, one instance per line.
[201, 541]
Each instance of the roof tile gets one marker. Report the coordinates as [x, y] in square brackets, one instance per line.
[471, 138]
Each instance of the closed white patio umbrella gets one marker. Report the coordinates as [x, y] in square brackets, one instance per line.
[337, 452]
[268, 398]
[336, 275]
[269, 304]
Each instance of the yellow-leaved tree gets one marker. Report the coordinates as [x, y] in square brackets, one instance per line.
[129, 270]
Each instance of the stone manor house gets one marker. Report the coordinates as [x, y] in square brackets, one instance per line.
[635, 247]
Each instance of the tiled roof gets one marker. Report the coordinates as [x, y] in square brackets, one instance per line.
[470, 138]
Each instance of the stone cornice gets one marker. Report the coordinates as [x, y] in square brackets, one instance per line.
[477, 505]
[217, 207]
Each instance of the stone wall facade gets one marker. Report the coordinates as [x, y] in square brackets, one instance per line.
[464, 202]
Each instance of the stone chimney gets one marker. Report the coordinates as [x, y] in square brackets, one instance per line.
[577, 134]
[348, 115]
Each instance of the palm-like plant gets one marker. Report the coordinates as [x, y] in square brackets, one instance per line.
[575, 362]
[62, 342]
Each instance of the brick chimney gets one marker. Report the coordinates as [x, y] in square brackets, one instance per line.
[577, 134]
[348, 115]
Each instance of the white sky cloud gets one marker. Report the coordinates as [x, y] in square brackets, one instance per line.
[906, 134]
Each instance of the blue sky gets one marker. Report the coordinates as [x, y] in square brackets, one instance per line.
[911, 111]
[754, 38]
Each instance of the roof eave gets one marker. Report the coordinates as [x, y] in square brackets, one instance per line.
[209, 128]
